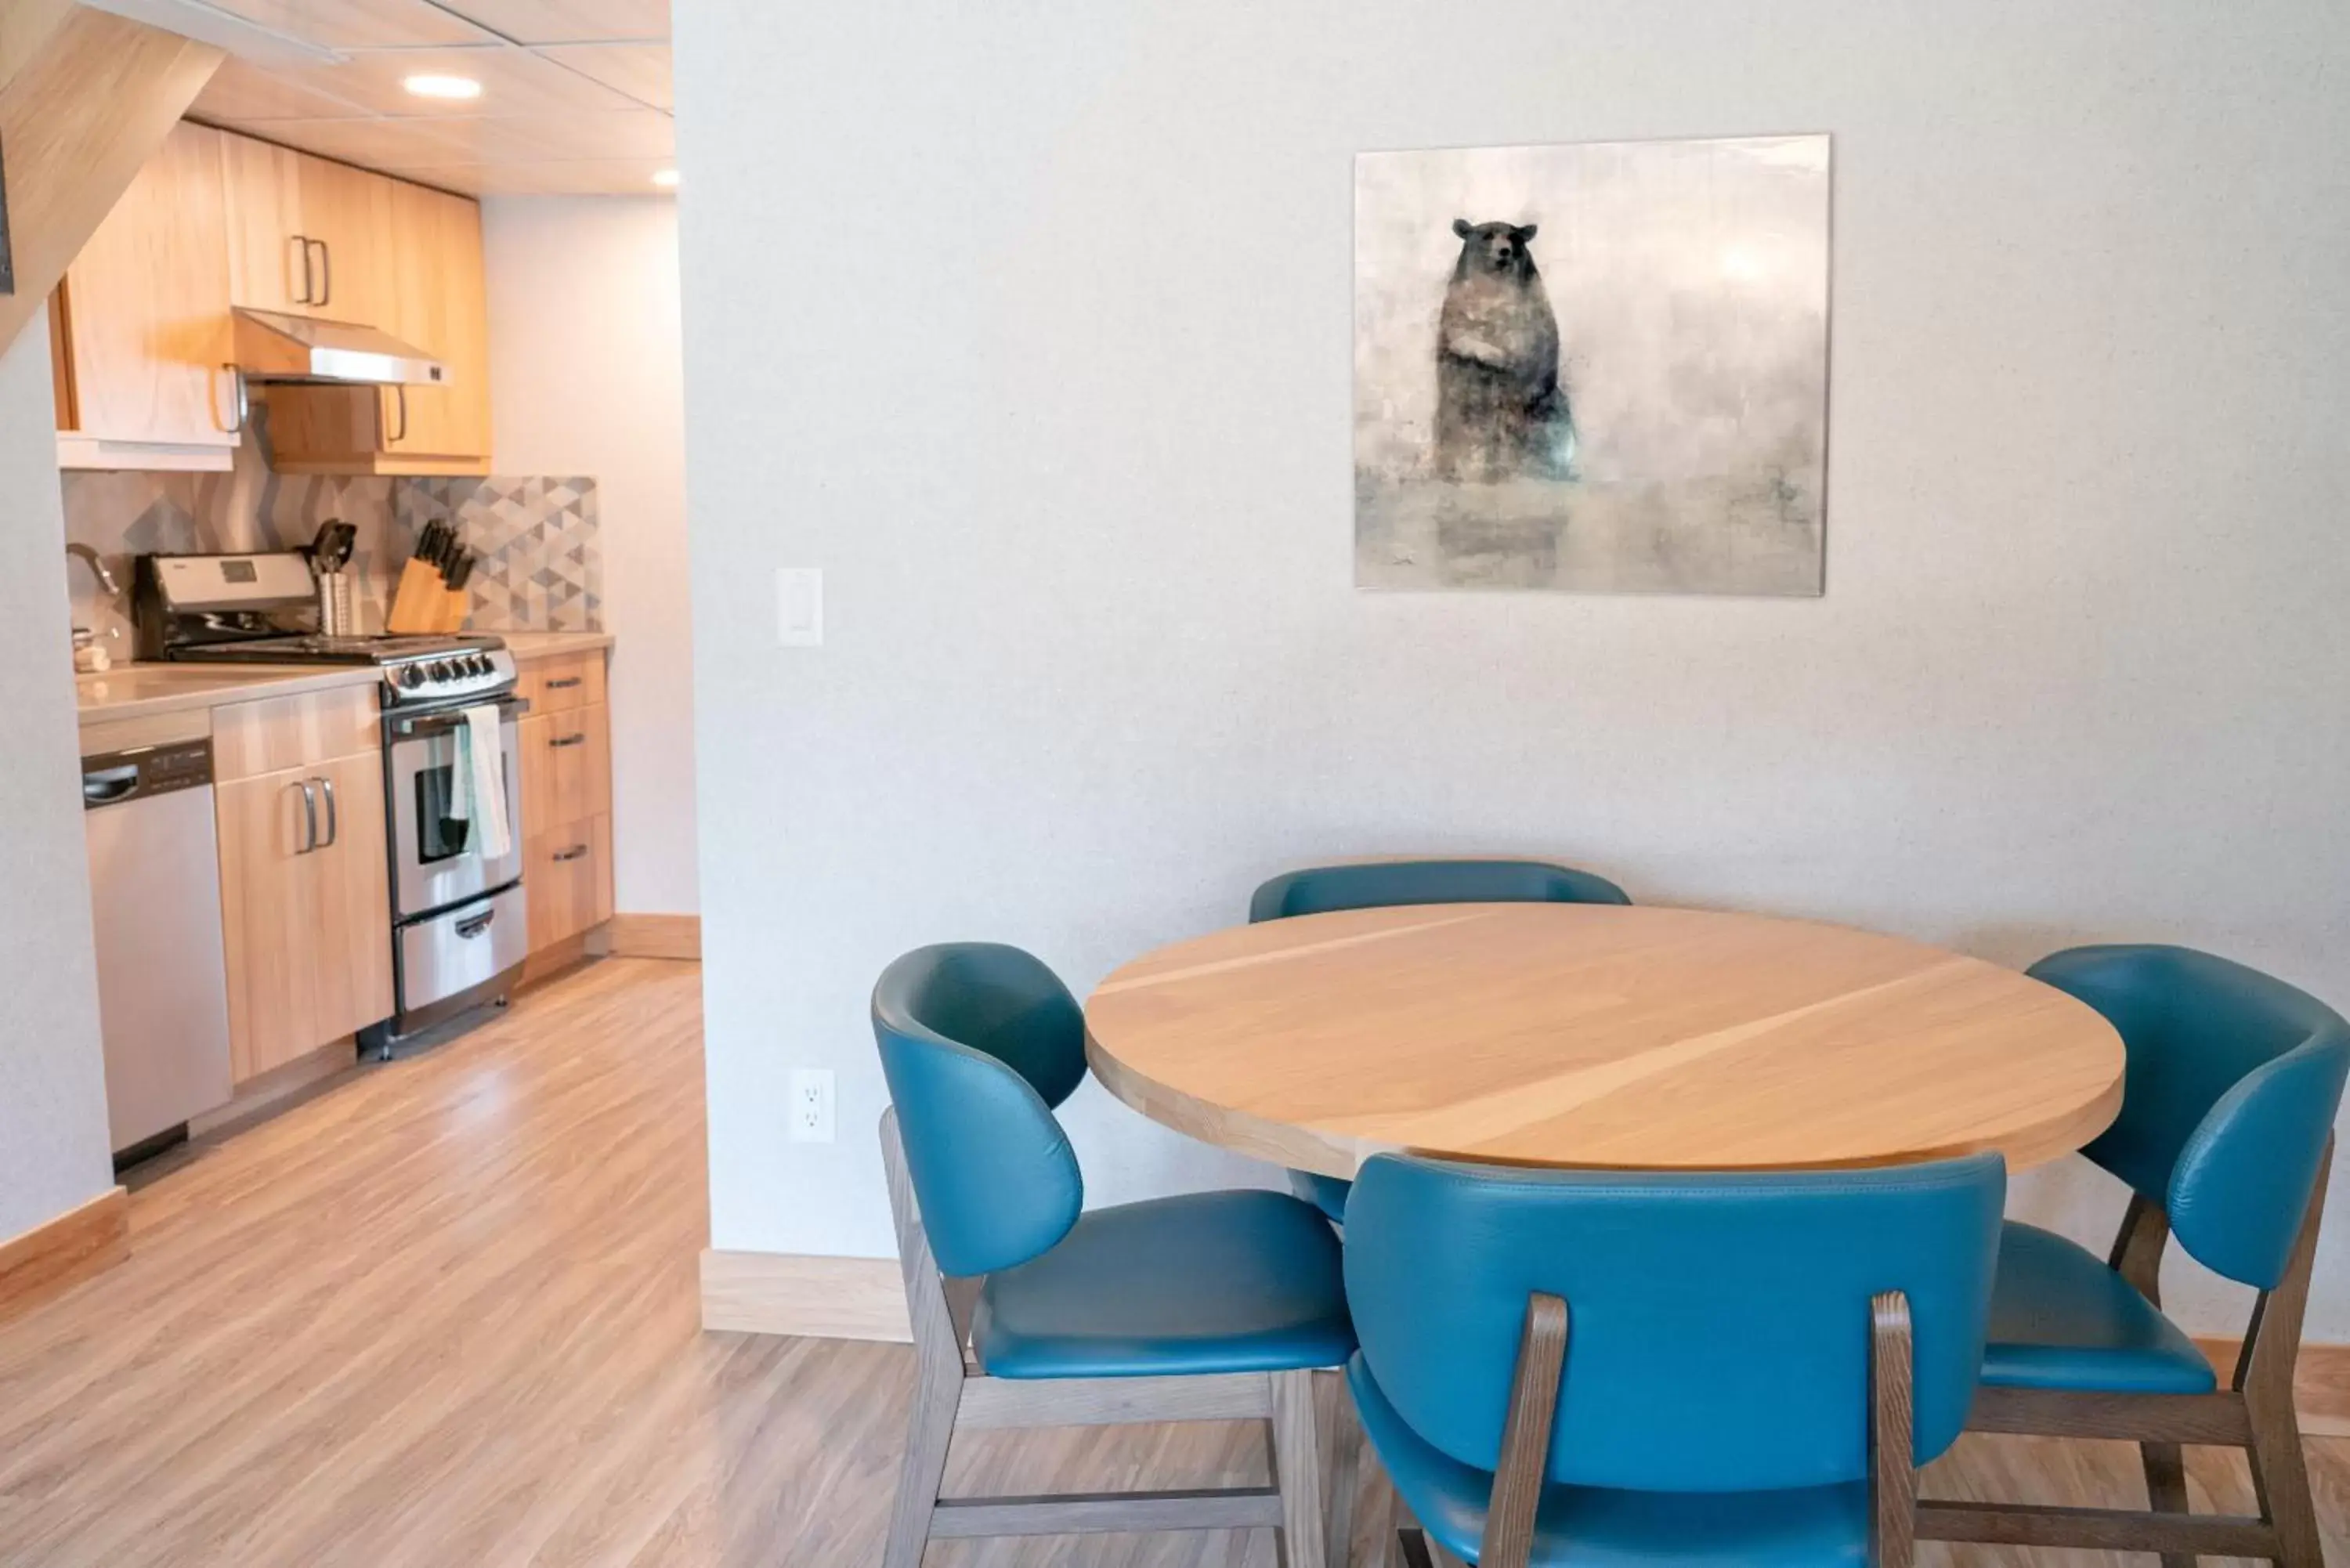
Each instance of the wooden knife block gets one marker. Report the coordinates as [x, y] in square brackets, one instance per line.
[421, 603]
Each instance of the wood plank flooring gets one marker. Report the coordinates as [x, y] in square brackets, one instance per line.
[444, 1315]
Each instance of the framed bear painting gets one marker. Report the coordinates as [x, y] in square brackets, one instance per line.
[1601, 367]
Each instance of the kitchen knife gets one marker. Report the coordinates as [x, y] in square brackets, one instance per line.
[462, 571]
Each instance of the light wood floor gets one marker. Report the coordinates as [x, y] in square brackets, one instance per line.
[444, 1315]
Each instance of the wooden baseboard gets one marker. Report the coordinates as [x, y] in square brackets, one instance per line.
[50, 1257]
[2320, 1383]
[266, 1093]
[818, 1298]
[656, 936]
[555, 958]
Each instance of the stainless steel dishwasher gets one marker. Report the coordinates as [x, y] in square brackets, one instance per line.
[162, 977]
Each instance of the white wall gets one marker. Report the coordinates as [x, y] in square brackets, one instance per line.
[1030, 326]
[53, 1142]
[585, 373]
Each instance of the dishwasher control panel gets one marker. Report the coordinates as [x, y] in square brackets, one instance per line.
[116, 776]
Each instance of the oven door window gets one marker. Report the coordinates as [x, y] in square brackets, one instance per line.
[440, 834]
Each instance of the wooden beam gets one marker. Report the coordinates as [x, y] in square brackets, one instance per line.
[86, 100]
[64, 1250]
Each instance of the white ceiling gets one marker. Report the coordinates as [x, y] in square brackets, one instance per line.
[575, 93]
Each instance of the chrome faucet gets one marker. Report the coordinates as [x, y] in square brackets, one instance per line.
[98, 569]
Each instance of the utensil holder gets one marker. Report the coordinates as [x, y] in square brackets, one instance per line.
[338, 610]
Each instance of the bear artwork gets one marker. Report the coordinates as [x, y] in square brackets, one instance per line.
[1500, 412]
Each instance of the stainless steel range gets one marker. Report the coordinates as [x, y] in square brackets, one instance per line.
[459, 921]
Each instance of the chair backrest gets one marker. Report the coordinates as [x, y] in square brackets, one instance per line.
[1718, 1326]
[979, 1042]
[2228, 1097]
[1379, 883]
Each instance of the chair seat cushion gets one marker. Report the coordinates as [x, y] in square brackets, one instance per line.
[1593, 1527]
[2061, 1319]
[1216, 1282]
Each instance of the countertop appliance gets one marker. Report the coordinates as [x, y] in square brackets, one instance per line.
[459, 919]
[162, 977]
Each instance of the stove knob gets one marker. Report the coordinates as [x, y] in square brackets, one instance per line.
[479, 664]
[440, 671]
[411, 676]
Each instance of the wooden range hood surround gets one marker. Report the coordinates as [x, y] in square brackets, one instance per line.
[85, 97]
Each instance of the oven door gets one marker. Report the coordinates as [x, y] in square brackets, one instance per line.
[436, 859]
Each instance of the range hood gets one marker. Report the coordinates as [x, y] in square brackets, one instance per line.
[271, 347]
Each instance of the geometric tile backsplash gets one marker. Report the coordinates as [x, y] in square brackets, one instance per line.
[542, 564]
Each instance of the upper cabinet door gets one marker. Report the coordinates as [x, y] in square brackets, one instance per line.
[145, 306]
[347, 218]
[441, 307]
[272, 264]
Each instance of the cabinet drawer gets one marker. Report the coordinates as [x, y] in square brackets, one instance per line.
[567, 877]
[278, 732]
[557, 685]
[566, 766]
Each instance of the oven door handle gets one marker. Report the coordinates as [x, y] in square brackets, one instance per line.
[416, 726]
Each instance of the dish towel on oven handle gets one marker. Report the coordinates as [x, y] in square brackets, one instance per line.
[479, 796]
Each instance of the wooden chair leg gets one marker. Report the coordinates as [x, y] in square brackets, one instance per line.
[1297, 1470]
[2280, 1478]
[924, 1468]
[938, 1368]
[2166, 1489]
[1892, 1459]
[1347, 1445]
[2265, 1375]
[1509, 1538]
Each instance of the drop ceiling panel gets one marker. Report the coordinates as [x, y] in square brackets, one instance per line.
[358, 23]
[514, 82]
[629, 133]
[568, 21]
[574, 100]
[567, 177]
[639, 70]
[240, 93]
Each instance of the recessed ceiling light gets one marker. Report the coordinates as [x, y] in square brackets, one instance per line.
[443, 87]
[666, 178]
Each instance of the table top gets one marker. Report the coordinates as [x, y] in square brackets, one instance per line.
[1597, 1035]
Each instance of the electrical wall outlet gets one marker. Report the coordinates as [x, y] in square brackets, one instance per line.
[811, 1105]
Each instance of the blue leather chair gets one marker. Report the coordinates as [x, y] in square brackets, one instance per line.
[1389, 884]
[1724, 1340]
[2224, 1137]
[1215, 1306]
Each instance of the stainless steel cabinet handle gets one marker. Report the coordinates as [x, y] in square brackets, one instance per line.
[309, 288]
[334, 817]
[574, 853]
[325, 271]
[309, 818]
[568, 684]
[562, 741]
[243, 402]
[475, 925]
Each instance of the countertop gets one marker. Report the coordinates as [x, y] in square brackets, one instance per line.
[139, 690]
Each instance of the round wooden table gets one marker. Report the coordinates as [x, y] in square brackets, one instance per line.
[1582, 1034]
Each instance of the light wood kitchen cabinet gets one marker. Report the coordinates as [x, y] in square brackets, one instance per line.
[565, 750]
[272, 265]
[141, 340]
[313, 237]
[306, 908]
[441, 302]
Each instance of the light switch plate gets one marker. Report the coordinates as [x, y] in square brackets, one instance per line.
[799, 607]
